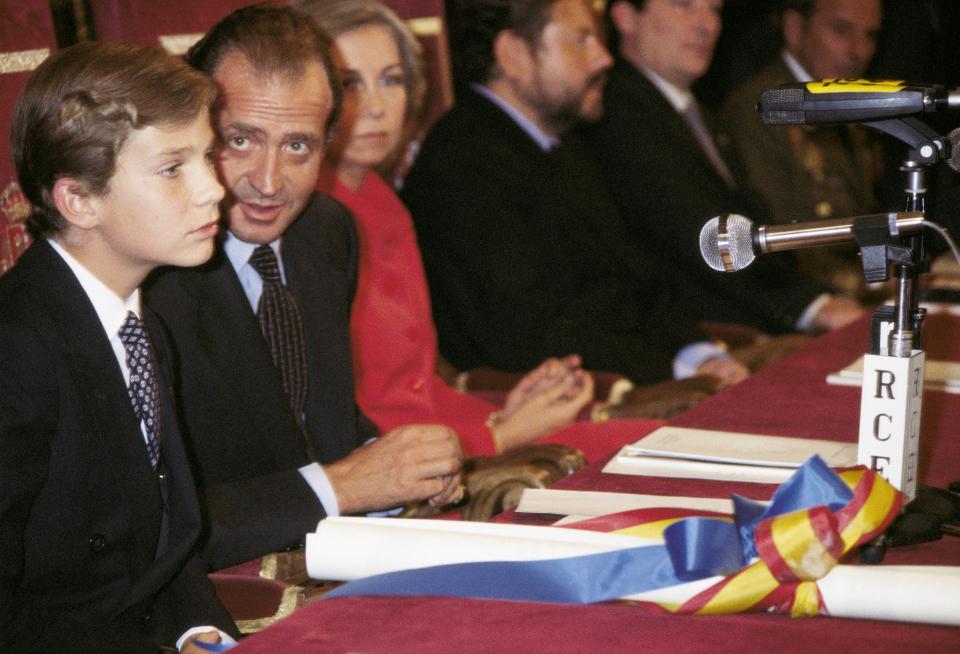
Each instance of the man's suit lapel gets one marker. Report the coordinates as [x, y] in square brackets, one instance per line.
[322, 303]
[229, 331]
[228, 326]
[103, 393]
[650, 102]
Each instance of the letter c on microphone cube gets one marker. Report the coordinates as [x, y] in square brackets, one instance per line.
[890, 404]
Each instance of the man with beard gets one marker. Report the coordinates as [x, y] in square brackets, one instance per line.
[670, 173]
[813, 172]
[522, 246]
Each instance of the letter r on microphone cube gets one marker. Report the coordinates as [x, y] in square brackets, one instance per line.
[890, 404]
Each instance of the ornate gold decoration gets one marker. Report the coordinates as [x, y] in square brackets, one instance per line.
[13, 205]
[14, 210]
[426, 26]
[178, 44]
[22, 61]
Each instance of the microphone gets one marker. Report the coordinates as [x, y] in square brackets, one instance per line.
[730, 242]
[848, 101]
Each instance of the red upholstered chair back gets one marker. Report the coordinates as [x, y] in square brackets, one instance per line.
[26, 39]
[427, 21]
[174, 25]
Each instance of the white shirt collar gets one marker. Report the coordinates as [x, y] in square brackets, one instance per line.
[111, 308]
[545, 142]
[678, 98]
[239, 252]
[799, 72]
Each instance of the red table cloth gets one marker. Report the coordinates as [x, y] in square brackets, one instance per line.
[790, 398]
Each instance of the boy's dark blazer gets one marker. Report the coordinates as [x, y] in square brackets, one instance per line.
[80, 504]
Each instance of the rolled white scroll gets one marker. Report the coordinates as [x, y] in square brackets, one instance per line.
[343, 549]
[350, 548]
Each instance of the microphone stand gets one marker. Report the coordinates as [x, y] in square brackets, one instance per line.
[893, 370]
[926, 149]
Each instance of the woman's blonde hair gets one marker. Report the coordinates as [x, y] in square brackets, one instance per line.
[336, 17]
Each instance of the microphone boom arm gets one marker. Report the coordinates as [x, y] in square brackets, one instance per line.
[926, 146]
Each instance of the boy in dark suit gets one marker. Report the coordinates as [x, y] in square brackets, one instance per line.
[98, 513]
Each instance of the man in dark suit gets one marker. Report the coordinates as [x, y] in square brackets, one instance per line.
[523, 249]
[98, 514]
[657, 151]
[813, 172]
[265, 385]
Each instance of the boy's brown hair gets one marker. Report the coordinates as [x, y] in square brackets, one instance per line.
[78, 108]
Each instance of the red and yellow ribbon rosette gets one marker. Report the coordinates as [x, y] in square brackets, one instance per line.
[791, 550]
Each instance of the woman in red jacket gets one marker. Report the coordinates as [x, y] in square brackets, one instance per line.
[394, 340]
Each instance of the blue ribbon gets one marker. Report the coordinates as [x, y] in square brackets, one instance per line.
[813, 484]
[572, 580]
[214, 647]
[693, 549]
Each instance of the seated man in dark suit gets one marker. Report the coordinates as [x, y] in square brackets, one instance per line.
[261, 332]
[813, 172]
[670, 174]
[523, 248]
[98, 514]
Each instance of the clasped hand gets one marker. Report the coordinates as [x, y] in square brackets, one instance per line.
[546, 399]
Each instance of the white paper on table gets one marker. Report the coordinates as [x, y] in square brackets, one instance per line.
[728, 456]
[595, 503]
[349, 548]
[937, 375]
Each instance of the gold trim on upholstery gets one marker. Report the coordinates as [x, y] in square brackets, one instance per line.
[178, 44]
[291, 600]
[494, 483]
[22, 61]
[268, 566]
[426, 26]
[288, 567]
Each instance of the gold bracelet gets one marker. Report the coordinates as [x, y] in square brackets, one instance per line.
[492, 421]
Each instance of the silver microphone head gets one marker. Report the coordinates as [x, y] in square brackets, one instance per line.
[726, 242]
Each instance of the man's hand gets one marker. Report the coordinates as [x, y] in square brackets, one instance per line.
[407, 464]
[728, 371]
[837, 312]
[204, 637]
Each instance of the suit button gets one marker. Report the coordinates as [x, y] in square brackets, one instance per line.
[146, 617]
[97, 543]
